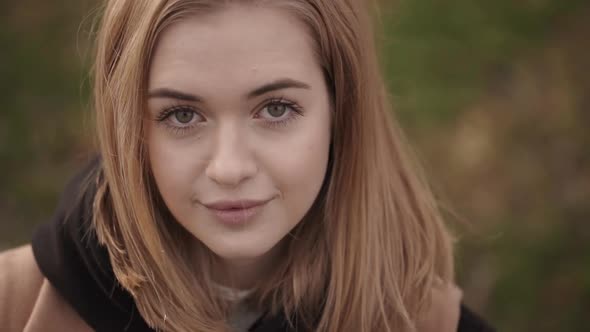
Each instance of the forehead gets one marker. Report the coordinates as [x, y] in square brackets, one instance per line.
[238, 44]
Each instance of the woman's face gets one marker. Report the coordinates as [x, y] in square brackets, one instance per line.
[238, 126]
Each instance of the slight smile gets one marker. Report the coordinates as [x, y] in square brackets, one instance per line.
[235, 212]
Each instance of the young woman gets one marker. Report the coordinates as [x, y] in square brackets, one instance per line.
[251, 178]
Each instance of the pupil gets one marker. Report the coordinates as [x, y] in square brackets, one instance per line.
[276, 110]
[184, 116]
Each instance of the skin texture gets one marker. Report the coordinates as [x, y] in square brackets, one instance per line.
[238, 147]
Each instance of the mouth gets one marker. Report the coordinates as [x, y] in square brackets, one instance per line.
[235, 212]
[235, 204]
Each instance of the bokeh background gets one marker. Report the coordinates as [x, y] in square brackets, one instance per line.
[494, 95]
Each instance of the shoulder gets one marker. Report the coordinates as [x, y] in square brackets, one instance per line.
[20, 282]
[28, 302]
[443, 312]
[24, 289]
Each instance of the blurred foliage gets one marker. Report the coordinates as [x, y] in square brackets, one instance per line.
[438, 54]
[495, 96]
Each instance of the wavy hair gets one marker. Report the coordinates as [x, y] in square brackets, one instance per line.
[378, 240]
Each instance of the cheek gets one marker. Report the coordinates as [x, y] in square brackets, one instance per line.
[304, 167]
[298, 168]
[173, 167]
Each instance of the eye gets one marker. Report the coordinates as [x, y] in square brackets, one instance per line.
[184, 116]
[180, 116]
[277, 110]
[180, 120]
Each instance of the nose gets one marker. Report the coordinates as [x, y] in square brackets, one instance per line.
[232, 161]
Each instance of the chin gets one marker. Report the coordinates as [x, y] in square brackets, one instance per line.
[236, 251]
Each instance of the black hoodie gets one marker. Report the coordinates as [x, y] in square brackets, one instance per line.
[69, 256]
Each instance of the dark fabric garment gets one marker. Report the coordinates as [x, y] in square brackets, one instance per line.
[70, 257]
[471, 322]
[468, 322]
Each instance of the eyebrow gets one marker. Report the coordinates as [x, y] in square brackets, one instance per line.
[280, 84]
[284, 83]
[173, 94]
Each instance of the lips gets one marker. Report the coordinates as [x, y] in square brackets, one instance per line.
[234, 213]
[235, 205]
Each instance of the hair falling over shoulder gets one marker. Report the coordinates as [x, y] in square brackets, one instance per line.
[379, 243]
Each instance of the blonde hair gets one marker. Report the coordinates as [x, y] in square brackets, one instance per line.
[378, 241]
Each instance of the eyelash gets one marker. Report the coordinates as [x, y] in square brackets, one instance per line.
[294, 110]
[176, 130]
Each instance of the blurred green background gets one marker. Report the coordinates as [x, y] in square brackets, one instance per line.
[495, 96]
